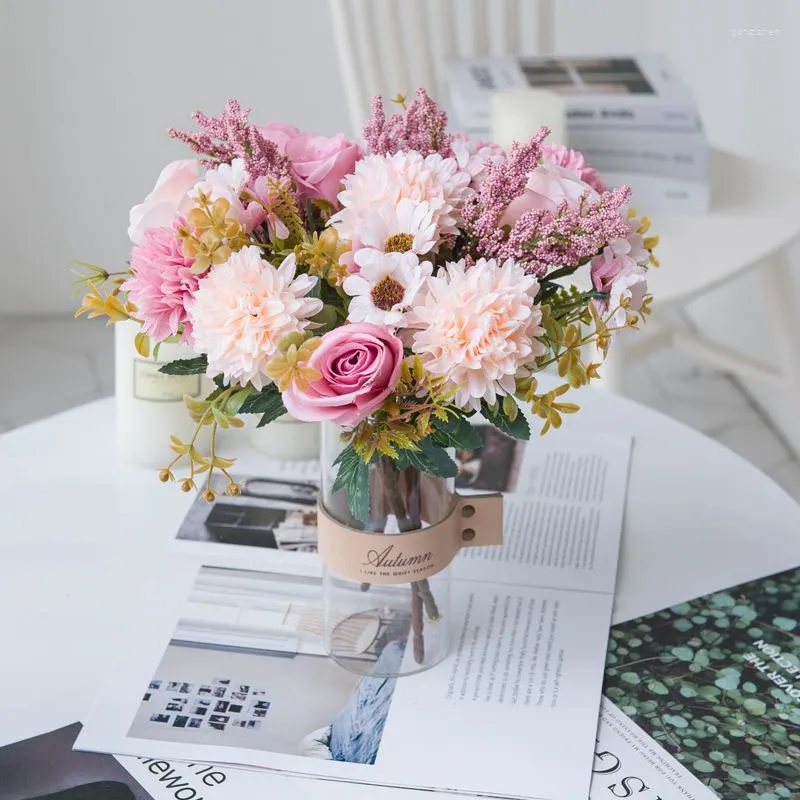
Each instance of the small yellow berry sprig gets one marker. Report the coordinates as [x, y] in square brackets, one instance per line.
[218, 410]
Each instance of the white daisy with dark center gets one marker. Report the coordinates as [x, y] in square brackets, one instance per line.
[385, 286]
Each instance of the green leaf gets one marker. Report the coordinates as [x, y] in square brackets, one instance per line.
[518, 429]
[456, 432]
[353, 479]
[728, 679]
[268, 402]
[186, 366]
[754, 706]
[430, 458]
[234, 403]
[701, 765]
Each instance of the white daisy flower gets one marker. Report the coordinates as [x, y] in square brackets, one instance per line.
[401, 228]
[385, 286]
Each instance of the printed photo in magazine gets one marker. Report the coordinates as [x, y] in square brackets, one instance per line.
[703, 699]
[245, 642]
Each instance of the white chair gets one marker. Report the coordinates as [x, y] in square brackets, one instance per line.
[386, 46]
[391, 46]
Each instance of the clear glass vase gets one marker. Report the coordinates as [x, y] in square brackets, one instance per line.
[386, 629]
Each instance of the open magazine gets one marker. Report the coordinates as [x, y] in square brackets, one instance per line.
[228, 664]
[702, 700]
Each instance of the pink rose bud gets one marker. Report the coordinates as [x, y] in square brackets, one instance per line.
[359, 366]
[320, 163]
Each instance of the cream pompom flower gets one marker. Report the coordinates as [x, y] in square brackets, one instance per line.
[477, 327]
[387, 179]
[385, 286]
[242, 311]
[401, 228]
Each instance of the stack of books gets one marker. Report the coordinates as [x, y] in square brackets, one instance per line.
[633, 119]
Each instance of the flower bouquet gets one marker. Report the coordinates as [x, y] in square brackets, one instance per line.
[392, 288]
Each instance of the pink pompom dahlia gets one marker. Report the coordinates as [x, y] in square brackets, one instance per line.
[161, 283]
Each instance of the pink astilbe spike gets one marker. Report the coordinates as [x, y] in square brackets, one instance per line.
[232, 136]
[422, 127]
[504, 182]
[543, 240]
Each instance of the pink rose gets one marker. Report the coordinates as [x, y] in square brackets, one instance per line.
[548, 186]
[359, 365]
[320, 163]
[278, 132]
[168, 199]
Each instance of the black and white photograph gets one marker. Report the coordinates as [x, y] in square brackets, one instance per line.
[154, 685]
[160, 717]
[493, 467]
[298, 701]
[269, 513]
[47, 768]
[194, 722]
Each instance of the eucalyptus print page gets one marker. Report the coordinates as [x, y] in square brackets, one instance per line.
[716, 683]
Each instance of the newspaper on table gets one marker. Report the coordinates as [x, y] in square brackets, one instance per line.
[228, 664]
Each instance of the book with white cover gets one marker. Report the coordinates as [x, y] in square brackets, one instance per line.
[616, 92]
[654, 193]
[227, 663]
[682, 156]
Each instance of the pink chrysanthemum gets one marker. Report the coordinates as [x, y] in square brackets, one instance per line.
[242, 311]
[162, 283]
[387, 179]
[477, 326]
[574, 161]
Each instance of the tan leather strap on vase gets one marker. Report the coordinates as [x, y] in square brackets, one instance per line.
[475, 521]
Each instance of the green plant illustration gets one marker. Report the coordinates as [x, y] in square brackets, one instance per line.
[716, 682]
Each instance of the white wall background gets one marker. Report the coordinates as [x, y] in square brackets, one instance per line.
[89, 88]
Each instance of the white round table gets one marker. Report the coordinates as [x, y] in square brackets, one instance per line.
[81, 533]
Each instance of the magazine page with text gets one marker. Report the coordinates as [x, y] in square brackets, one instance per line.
[228, 665]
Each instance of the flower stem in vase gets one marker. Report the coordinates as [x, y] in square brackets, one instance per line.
[401, 492]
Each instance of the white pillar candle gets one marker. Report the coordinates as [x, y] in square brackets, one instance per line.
[517, 114]
[286, 439]
[149, 404]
